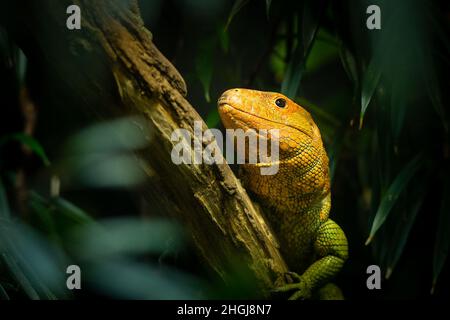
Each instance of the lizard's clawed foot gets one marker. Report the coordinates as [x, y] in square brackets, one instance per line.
[300, 286]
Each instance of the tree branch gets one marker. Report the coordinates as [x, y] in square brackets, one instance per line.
[115, 69]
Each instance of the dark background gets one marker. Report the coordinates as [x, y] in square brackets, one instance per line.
[402, 69]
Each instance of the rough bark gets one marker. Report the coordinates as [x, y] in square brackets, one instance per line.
[115, 69]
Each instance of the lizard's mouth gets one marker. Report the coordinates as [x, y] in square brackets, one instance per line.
[238, 116]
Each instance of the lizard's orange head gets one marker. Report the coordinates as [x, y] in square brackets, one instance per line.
[251, 109]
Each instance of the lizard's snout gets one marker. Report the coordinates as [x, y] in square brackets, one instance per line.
[229, 97]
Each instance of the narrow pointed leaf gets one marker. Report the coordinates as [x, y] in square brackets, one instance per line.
[402, 236]
[268, 3]
[349, 64]
[204, 66]
[31, 143]
[398, 108]
[307, 31]
[370, 82]
[3, 294]
[237, 6]
[20, 277]
[434, 93]
[390, 197]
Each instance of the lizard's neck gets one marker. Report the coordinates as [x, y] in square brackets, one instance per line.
[300, 185]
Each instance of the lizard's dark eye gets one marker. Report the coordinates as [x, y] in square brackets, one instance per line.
[280, 102]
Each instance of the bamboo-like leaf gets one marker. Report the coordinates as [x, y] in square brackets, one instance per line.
[370, 82]
[30, 142]
[33, 261]
[72, 212]
[63, 207]
[3, 293]
[349, 64]
[21, 67]
[268, 3]
[293, 75]
[323, 51]
[390, 197]
[45, 219]
[20, 277]
[4, 206]
[442, 243]
[204, 66]
[307, 30]
[237, 6]
[125, 237]
[141, 281]
[402, 235]
[321, 113]
[398, 107]
[224, 38]
[334, 151]
[434, 93]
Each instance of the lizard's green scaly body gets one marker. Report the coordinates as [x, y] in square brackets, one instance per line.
[298, 195]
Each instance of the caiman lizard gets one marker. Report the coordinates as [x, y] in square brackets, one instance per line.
[298, 196]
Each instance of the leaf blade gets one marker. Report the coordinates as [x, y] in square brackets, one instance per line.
[370, 81]
[389, 198]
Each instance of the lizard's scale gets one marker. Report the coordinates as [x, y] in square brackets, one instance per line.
[298, 195]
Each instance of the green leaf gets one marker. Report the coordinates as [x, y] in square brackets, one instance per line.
[45, 220]
[72, 212]
[370, 82]
[36, 265]
[390, 197]
[434, 93]
[237, 6]
[306, 31]
[127, 279]
[62, 208]
[3, 294]
[442, 243]
[318, 111]
[213, 119]
[268, 3]
[21, 67]
[349, 64]
[4, 206]
[204, 66]
[224, 38]
[110, 137]
[20, 277]
[398, 107]
[30, 142]
[322, 52]
[126, 237]
[402, 234]
[334, 151]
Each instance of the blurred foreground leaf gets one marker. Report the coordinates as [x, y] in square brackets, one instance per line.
[103, 155]
[35, 265]
[126, 236]
[126, 279]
